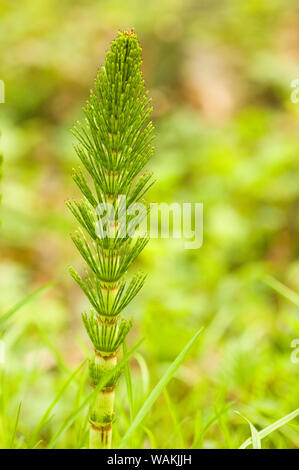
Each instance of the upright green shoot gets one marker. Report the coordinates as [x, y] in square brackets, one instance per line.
[114, 146]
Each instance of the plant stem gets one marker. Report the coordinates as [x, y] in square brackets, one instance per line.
[114, 147]
[102, 411]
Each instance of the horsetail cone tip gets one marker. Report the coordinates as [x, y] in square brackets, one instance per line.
[114, 145]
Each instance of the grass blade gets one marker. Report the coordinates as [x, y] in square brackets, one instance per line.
[23, 302]
[283, 290]
[128, 382]
[256, 440]
[272, 427]
[151, 437]
[45, 416]
[15, 427]
[159, 388]
[174, 417]
[144, 373]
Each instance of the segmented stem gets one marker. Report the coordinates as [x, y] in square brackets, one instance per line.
[102, 411]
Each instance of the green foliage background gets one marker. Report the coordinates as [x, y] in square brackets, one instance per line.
[227, 135]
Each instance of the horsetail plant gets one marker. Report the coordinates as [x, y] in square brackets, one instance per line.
[114, 145]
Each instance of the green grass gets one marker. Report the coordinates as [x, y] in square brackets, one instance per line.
[158, 389]
[139, 430]
[256, 436]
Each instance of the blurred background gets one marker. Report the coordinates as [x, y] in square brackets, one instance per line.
[220, 77]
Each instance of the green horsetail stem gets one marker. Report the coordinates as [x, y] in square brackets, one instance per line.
[114, 145]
